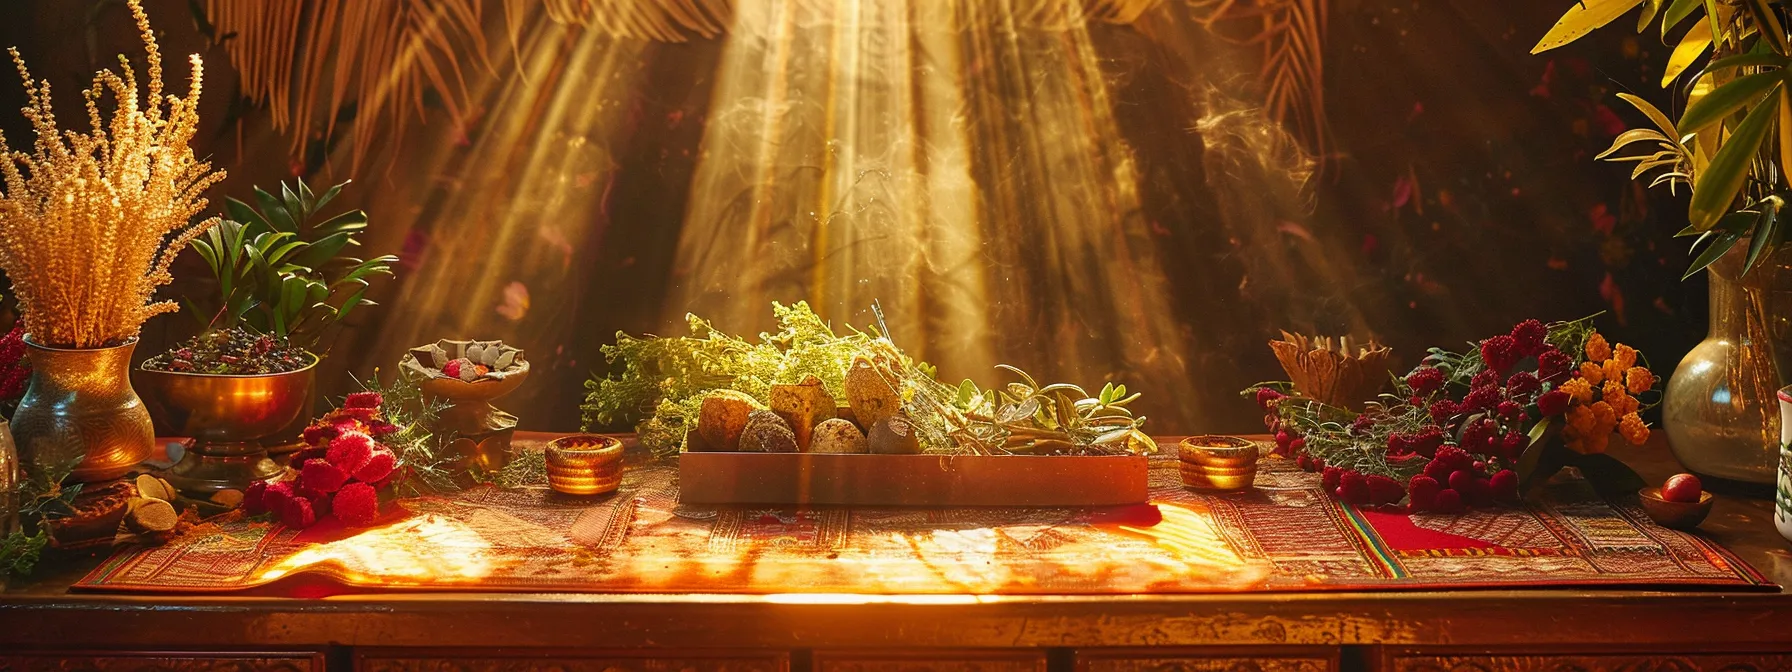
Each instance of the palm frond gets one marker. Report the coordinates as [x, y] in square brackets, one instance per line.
[1292, 35]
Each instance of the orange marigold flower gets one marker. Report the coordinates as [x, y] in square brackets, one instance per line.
[1592, 372]
[1597, 349]
[1595, 444]
[1611, 370]
[1625, 355]
[1604, 416]
[1580, 420]
[1613, 393]
[1639, 380]
[1580, 389]
[1633, 429]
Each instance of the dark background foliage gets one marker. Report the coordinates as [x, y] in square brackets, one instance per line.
[1460, 196]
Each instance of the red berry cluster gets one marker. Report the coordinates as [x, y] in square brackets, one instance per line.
[15, 370]
[339, 472]
[1470, 438]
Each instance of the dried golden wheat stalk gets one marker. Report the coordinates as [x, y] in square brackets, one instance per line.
[89, 223]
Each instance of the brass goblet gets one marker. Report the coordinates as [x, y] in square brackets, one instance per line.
[227, 417]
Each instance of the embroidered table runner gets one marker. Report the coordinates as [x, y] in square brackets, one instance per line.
[1284, 535]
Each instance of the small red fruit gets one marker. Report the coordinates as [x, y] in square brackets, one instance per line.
[1682, 488]
[1448, 501]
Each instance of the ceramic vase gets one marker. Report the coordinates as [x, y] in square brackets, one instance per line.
[1782, 498]
[80, 409]
[1719, 407]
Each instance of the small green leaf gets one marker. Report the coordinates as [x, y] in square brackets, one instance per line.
[1650, 8]
[1727, 99]
[1718, 247]
[1723, 179]
[1761, 239]
[1677, 12]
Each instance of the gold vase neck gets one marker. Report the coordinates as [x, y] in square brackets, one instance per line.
[88, 369]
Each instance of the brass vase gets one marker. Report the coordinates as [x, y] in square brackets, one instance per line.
[231, 419]
[1720, 411]
[80, 406]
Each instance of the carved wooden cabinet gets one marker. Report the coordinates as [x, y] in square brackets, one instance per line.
[84, 661]
[522, 660]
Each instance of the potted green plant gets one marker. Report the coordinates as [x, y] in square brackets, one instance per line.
[284, 283]
[1731, 145]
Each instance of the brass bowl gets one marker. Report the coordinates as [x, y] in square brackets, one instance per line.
[1676, 515]
[1219, 451]
[584, 464]
[1224, 463]
[227, 417]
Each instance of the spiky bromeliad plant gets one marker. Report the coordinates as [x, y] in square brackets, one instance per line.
[1732, 145]
[281, 273]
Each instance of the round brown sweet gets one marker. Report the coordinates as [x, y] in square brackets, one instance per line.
[765, 432]
[836, 435]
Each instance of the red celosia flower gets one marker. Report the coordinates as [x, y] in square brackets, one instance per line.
[1455, 457]
[1481, 399]
[1384, 490]
[1499, 353]
[1522, 383]
[1486, 378]
[1553, 403]
[1529, 335]
[323, 476]
[1425, 379]
[1442, 409]
[1267, 398]
[350, 451]
[275, 495]
[1428, 440]
[253, 496]
[1553, 363]
[378, 466]
[381, 428]
[320, 434]
[1479, 435]
[1353, 487]
[357, 505]
[362, 415]
[1399, 444]
[1329, 477]
[1423, 492]
[1511, 445]
[1447, 501]
[1510, 410]
[320, 500]
[363, 400]
[1504, 485]
[296, 512]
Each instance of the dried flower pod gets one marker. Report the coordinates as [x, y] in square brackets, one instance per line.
[1337, 376]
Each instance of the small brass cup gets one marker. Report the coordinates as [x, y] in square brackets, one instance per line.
[1218, 462]
[584, 464]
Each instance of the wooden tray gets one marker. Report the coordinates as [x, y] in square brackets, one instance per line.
[911, 480]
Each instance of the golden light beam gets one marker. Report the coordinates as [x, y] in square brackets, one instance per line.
[957, 162]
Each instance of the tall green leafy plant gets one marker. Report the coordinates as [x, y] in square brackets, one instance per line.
[1732, 144]
[280, 272]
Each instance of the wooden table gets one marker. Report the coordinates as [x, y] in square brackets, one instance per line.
[42, 626]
